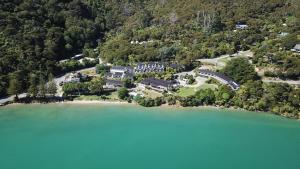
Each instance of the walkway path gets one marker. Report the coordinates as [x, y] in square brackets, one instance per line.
[221, 61]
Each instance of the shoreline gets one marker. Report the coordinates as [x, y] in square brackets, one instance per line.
[124, 103]
[113, 102]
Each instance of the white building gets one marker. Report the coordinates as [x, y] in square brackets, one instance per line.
[296, 48]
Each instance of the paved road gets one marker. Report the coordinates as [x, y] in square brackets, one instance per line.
[11, 98]
[219, 61]
[199, 80]
[57, 81]
[291, 82]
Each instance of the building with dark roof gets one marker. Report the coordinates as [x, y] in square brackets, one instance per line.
[113, 84]
[150, 67]
[158, 84]
[220, 77]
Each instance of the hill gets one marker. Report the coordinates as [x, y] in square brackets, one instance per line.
[36, 35]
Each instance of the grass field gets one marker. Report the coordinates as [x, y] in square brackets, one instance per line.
[151, 93]
[113, 96]
[189, 91]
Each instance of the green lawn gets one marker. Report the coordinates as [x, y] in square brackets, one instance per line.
[151, 93]
[208, 86]
[186, 91]
[113, 96]
[189, 91]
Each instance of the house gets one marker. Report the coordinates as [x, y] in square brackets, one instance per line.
[120, 72]
[220, 77]
[113, 84]
[75, 78]
[158, 84]
[296, 48]
[77, 57]
[241, 26]
[283, 34]
[150, 67]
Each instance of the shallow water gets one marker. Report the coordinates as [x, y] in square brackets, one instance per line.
[66, 136]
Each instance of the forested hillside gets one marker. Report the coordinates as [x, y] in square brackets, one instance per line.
[187, 30]
[36, 34]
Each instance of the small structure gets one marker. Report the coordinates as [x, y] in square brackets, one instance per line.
[72, 78]
[158, 84]
[77, 57]
[283, 34]
[154, 67]
[296, 48]
[241, 26]
[220, 77]
[113, 84]
[120, 72]
[75, 78]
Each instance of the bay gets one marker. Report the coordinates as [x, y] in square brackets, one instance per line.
[88, 136]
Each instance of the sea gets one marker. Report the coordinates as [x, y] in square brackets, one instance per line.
[98, 136]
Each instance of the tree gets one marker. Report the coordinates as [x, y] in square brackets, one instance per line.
[3, 86]
[33, 85]
[240, 70]
[96, 86]
[102, 69]
[75, 88]
[206, 96]
[42, 87]
[52, 87]
[123, 93]
[223, 95]
[127, 83]
[15, 84]
[190, 79]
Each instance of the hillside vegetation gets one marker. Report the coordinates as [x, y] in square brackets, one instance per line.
[35, 35]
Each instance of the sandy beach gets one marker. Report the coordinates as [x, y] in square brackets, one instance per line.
[94, 102]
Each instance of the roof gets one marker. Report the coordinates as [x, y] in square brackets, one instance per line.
[297, 47]
[230, 81]
[114, 82]
[121, 68]
[78, 56]
[174, 66]
[156, 82]
[150, 67]
[241, 26]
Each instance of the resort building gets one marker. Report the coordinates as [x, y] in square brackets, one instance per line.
[151, 67]
[113, 84]
[220, 77]
[296, 48]
[120, 72]
[158, 84]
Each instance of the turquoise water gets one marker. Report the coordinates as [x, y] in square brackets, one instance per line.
[128, 137]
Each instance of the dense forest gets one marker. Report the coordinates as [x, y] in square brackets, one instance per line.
[36, 34]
